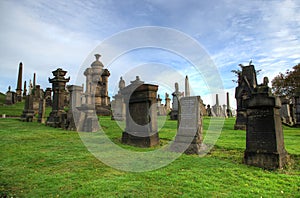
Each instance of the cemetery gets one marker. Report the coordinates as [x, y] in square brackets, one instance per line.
[41, 129]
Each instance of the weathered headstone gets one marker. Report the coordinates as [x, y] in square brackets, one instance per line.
[73, 114]
[167, 102]
[161, 111]
[28, 112]
[42, 109]
[264, 136]
[10, 97]
[118, 105]
[176, 97]
[48, 97]
[58, 114]
[141, 117]
[189, 134]
[217, 109]
[297, 108]
[285, 114]
[246, 83]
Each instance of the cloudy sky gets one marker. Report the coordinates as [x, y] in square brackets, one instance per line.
[46, 34]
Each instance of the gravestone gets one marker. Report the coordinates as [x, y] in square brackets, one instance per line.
[285, 114]
[189, 134]
[58, 113]
[264, 135]
[167, 102]
[246, 83]
[10, 97]
[38, 94]
[217, 109]
[118, 105]
[141, 117]
[73, 114]
[176, 97]
[228, 110]
[48, 97]
[28, 112]
[161, 111]
[42, 109]
[208, 110]
[297, 108]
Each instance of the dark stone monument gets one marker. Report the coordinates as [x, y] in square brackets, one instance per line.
[19, 84]
[187, 87]
[189, 134]
[246, 83]
[297, 108]
[58, 114]
[42, 109]
[37, 94]
[228, 110]
[208, 110]
[25, 90]
[28, 112]
[141, 117]
[48, 97]
[264, 136]
[176, 97]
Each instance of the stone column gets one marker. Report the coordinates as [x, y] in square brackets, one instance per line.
[25, 90]
[42, 109]
[28, 112]
[19, 84]
[228, 110]
[187, 86]
[167, 102]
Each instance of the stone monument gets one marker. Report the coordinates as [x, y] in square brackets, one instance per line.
[10, 97]
[176, 97]
[167, 102]
[141, 117]
[118, 105]
[28, 112]
[42, 109]
[73, 114]
[285, 113]
[246, 83]
[187, 87]
[48, 97]
[264, 135]
[58, 113]
[19, 84]
[161, 111]
[228, 109]
[189, 134]
[217, 109]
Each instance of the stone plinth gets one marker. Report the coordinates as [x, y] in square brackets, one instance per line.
[28, 112]
[189, 134]
[264, 137]
[141, 117]
[73, 114]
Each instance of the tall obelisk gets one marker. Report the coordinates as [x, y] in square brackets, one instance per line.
[187, 86]
[19, 83]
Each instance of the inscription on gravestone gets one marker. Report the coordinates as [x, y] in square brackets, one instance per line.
[189, 135]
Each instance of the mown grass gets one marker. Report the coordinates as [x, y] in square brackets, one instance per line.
[39, 161]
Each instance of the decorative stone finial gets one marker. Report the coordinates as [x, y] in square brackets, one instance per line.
[97, 56]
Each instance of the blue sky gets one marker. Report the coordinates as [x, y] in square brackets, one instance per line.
[46, 34]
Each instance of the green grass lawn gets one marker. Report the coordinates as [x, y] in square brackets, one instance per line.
[39, 161]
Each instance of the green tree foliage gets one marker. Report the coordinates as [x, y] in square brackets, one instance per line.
[288, 83]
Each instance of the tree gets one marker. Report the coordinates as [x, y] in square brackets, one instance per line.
[287, 84]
